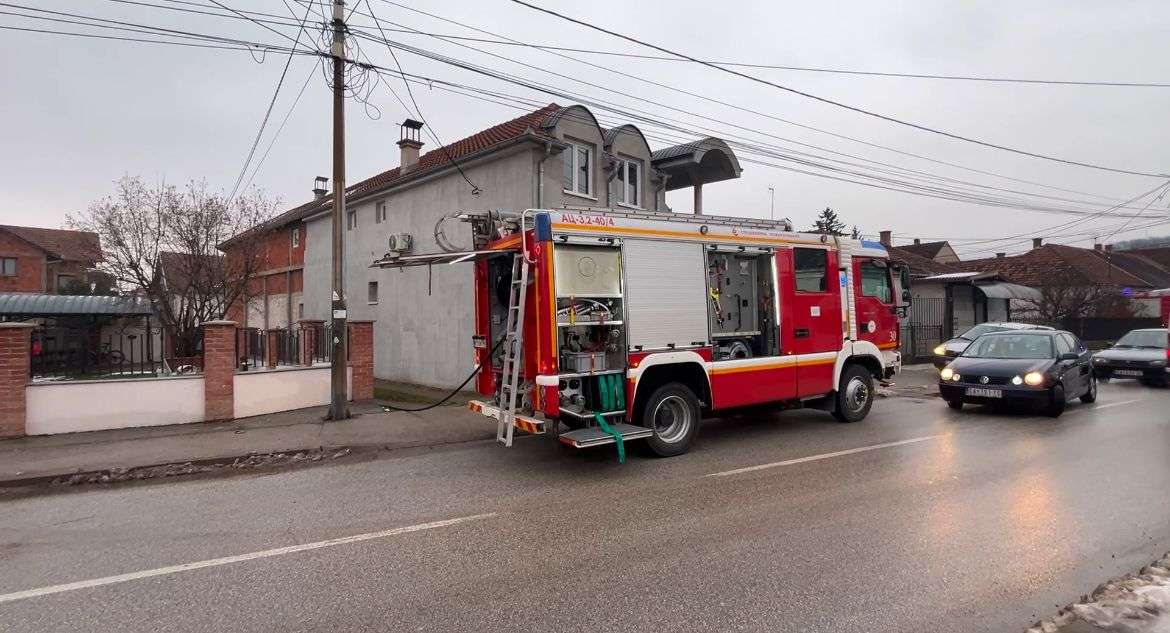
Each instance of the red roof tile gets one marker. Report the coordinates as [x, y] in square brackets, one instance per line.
[79, 246]
[1042, 266]
[435, 159]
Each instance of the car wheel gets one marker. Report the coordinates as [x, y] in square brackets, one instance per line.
[673, 413]
[1091, 395]
[1056, 402]
[955, 404]
[854, 394]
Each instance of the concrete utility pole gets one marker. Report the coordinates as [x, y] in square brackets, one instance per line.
[338, 400]
[772, 205]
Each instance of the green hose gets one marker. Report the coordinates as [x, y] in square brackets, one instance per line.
[617, 437]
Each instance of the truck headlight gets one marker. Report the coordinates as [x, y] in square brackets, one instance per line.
[1034, 378]
[941, 350]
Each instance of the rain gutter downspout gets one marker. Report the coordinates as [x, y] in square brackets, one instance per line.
[540, 174]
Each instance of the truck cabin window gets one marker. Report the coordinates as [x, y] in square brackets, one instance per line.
[812, 268]
[875, 282]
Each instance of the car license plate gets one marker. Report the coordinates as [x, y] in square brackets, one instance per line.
[1128, 372]
[980, 392]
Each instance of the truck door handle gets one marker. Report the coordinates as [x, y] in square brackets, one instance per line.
[801, 332]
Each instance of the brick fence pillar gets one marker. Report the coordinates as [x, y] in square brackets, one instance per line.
[219, 370]
[14, 367]
[271, 347]
[310, 330]
[361, 359]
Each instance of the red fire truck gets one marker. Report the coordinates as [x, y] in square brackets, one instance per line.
[626, 325]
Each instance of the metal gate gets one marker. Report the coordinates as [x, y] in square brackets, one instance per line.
[924, 328]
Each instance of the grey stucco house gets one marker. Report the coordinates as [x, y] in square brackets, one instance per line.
[552, 157]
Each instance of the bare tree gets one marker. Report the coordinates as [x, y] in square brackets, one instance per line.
[1062, 299]
[162, 242]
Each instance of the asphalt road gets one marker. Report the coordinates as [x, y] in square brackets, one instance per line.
[917, 519]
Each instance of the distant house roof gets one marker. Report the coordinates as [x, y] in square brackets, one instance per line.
[82, 246]
[1140, 265]
[24, 304]
[929, 250]
[532, 124]
[920, 266]
[1042, 266]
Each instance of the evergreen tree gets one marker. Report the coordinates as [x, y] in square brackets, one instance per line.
[828, 223]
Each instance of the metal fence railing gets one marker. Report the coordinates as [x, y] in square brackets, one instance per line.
[303, 345]
[82, 351]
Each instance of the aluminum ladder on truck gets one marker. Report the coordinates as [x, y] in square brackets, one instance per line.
[513, 351]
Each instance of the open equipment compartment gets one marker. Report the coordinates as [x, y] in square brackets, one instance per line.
[742, 292]
[591, 330]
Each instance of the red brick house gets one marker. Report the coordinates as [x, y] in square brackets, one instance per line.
[46, 261]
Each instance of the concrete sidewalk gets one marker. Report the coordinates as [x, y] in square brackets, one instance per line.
[34, 459]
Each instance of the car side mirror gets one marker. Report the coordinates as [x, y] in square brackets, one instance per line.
[1069, 356]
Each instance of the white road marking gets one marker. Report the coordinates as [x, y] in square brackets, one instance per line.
[1112, 404]
[227, 560]
[813, 458]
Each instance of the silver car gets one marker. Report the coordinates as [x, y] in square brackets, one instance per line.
[949, 350]
[1140, 354]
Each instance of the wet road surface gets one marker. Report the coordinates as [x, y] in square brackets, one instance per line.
[917, 519]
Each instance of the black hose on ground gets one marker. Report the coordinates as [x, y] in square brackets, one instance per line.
[453, 391]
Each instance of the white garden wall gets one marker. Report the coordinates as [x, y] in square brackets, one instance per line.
[94, 405]
[283, 389]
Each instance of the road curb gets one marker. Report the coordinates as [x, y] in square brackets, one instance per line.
[252, 460]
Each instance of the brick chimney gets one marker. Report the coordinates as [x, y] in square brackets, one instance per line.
[320, 187]
[1000, 255]
[917, 241]
[885, 237]
[1037, 242]
[1098, 247]
[1108, 248]
[409, 143]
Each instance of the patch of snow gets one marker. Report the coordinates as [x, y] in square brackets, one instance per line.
[1131, 604]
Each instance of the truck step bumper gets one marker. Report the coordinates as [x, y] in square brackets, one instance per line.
[594, 436]
[528, 424]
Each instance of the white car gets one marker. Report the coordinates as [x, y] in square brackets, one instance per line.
[948, 350]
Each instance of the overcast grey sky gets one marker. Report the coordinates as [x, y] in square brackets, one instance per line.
[80, 113]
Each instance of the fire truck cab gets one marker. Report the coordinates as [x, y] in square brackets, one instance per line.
[625, 325]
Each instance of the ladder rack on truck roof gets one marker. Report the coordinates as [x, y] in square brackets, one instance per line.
[783, 224]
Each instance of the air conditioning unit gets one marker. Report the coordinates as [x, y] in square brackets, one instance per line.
[400, 242]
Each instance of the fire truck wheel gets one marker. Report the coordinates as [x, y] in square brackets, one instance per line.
[673, 413]
[854, 394]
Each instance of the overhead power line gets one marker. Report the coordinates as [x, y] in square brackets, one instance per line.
[268, 111]
[840, 104]
[763, 114]
[475, 190]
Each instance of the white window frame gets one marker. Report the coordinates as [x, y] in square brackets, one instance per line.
[574, 148]
[623, 166]
[372, 293]
[379, 212]
[296, 236]
[351, 219]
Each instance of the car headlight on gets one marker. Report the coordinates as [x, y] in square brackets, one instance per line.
[1034, 378]
[947, 373]
[941, 350]
[1016, 380]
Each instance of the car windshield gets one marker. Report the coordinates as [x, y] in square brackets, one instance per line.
[980, 330]
[1010, 346]
[1144, 338]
